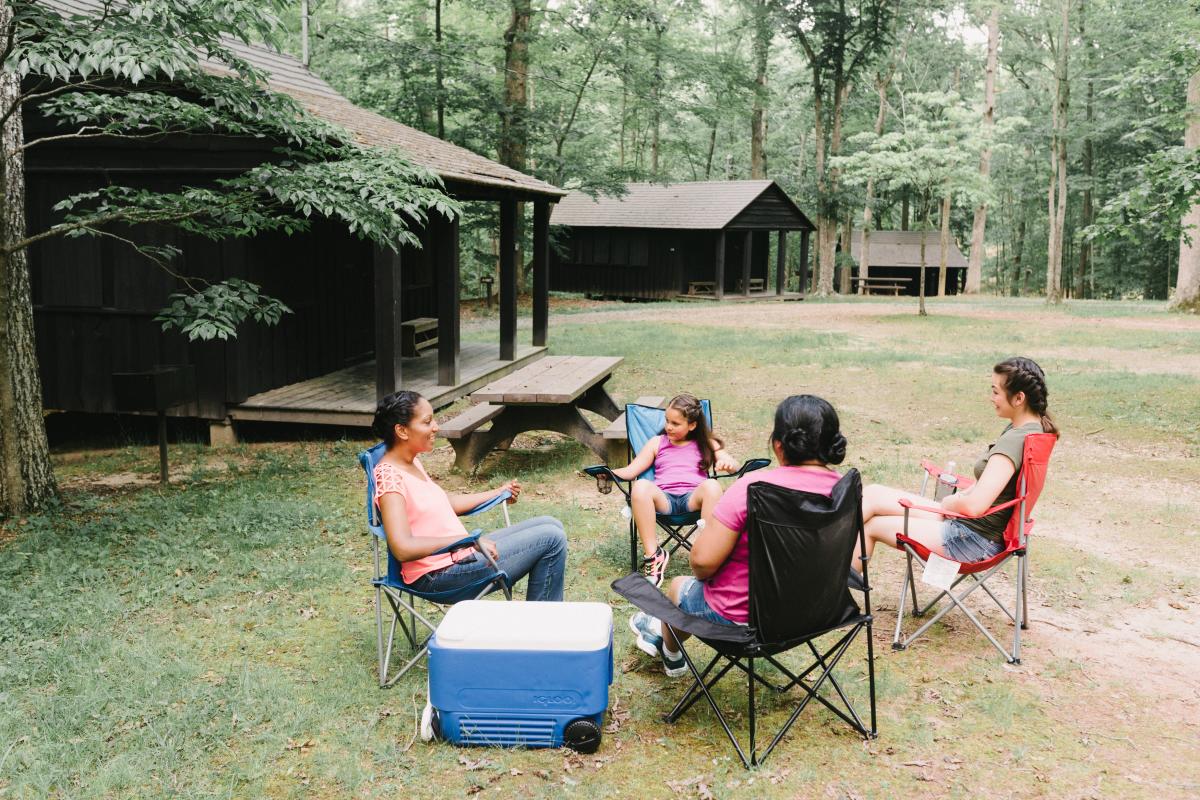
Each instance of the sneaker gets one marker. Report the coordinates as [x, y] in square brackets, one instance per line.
[674, 667]
[648, 631]
[649, 641]
[655, 567]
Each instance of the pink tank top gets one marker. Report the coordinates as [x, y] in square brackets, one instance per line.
[677, 467]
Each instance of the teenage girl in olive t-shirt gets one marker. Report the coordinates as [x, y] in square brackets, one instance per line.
[1019, 395]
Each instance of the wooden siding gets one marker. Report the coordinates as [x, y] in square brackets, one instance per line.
[770, 211]
[95, 299]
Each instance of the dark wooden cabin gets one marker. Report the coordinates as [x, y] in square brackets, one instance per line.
[897, 254]
[329, 361]
[659, 241]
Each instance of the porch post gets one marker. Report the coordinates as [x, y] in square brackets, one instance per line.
[387, 322]
[445, 233]
[804, 261]
[781, 264]
[508, 279]
[541, 271]
[719, 286]
[746, 248]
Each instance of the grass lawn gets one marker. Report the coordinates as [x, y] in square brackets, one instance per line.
[216, 639]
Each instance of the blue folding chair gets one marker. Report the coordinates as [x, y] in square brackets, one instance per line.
[401, 597]
[641, 424]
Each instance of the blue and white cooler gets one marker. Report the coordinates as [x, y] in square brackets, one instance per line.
[512, 674]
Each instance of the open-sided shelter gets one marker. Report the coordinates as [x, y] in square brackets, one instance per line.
[707, 238]
[329, 361]
[897, 254]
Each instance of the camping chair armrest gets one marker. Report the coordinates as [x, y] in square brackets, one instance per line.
[488, 504]
[603, 474]
[748, 466]
[907, 504]
[962, 482]
[467, 541]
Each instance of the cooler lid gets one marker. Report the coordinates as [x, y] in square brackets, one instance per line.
[498, 625]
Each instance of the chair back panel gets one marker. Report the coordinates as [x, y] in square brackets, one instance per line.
[368, 459]
[643, 423]
[1035, 463]
[800, 549]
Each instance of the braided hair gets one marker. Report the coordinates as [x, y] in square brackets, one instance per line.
[1024, 375]
[807, 429]
[395, 409]
[693, 411]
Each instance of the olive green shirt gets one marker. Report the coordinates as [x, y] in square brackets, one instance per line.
[1011, 445]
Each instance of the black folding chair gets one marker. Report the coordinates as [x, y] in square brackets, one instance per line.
[800, 544]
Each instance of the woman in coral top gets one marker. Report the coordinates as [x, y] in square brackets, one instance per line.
[420, 518]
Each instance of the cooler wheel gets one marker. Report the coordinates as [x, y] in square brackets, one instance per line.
[582, 735]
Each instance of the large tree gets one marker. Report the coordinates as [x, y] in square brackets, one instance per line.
[840, 39]
[138, 73]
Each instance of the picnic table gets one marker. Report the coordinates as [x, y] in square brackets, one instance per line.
[893, 285]
[548, 395]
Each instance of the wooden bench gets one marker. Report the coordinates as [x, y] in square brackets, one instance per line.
[616, 439]
[702, 287]
[458, 430]
[414, 336]
[756, 284]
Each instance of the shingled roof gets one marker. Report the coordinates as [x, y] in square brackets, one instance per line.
[700, 205]
[903, 249]
[288, 76]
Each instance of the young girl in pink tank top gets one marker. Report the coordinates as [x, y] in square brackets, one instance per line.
[681, 455]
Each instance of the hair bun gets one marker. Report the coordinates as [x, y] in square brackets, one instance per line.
[836, 452]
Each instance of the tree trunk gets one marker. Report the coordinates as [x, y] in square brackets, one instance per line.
[979, 226]
[712, 147]
[864, 263]
[847, 232]
[439, 72]
[921, 275]
[944, 243]
[514, 116]
[1014, 284]
[904, 212]
[26, 476]
[1187, 283]
[758, 114]
[655, 101]
[1062, 86]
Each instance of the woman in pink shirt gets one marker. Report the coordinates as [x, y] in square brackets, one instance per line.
[420, 518]
[806, 439]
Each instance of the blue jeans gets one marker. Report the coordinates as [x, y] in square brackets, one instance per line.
[965, 545]
[691, 600]
[536, 547]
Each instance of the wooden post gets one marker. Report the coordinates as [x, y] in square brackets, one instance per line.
[541, 271]
[747, 246]
[719, 277]
[445, 239]
[508, 280]
[781, 265]
[804, 262]
[387, 322]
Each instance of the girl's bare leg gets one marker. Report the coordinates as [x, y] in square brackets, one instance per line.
[646, 499]
[670, 642]
[884, 529]
[884, 501]
[704, 499]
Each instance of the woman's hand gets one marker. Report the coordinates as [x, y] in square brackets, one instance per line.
[513, 486]
[489, 547]
[725, 462]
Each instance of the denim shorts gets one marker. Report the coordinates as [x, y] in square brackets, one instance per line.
[965, 545]
[691, 600]
[678, 502]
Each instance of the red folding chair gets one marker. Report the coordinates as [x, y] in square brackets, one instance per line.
[1034, 462]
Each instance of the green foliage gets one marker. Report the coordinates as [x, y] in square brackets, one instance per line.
[216, 311]
[163, 67]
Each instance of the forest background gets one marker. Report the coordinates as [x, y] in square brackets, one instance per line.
[1089, 176]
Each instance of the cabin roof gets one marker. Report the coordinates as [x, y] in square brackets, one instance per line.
[288, 76]
[700, 205]
[903, 249]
